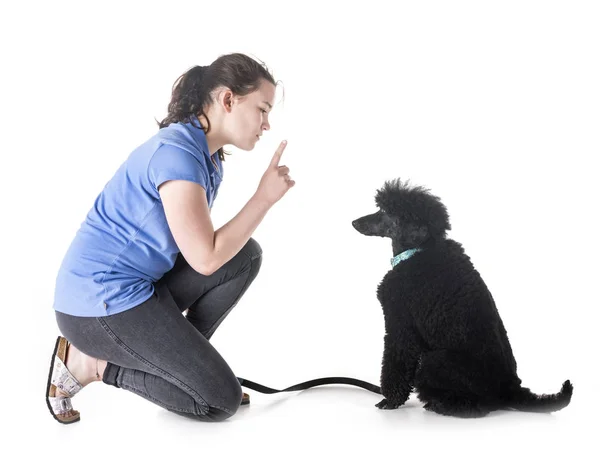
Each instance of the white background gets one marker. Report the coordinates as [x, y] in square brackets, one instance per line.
[494, 106]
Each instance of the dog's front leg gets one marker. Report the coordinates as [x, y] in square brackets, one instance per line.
[397, 372]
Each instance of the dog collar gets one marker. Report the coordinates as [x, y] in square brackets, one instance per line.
[404, 256]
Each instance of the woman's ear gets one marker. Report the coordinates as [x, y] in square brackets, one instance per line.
[227, 100]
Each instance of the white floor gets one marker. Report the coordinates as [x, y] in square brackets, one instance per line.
[321, 419]
[324, 418]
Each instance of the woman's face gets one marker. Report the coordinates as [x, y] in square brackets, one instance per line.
[248, 116]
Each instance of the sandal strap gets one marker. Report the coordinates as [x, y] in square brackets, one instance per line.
[63, 379]
[60, 405]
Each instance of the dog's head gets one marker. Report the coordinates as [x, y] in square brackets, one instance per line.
[408, 215]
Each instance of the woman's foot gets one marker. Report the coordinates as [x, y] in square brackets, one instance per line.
[70, 371]
[84, 368]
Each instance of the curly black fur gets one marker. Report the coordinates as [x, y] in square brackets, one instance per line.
[444, 336]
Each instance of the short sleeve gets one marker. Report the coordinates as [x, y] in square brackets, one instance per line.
[170, 162]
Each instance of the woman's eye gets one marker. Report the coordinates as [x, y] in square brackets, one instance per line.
[263, 110]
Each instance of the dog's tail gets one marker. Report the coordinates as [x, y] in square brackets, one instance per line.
[524, 400]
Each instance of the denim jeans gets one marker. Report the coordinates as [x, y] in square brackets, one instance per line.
[156, 352]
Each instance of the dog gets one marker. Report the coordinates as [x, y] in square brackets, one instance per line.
[444, 337]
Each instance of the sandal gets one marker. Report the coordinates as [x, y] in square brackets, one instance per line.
[60, 377]
[245, 399]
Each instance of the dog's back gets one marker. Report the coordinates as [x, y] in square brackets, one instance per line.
[450, 305]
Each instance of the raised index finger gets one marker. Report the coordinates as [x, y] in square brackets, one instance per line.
[278, 153]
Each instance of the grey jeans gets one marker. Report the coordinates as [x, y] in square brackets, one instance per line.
[157, 353]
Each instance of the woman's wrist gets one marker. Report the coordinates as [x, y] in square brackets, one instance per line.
[261, 201]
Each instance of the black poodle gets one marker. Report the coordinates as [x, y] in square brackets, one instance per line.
[444, 336]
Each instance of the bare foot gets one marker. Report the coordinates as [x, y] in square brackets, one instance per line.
[84, 368]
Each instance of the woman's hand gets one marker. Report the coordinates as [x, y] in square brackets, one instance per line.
[276, 180]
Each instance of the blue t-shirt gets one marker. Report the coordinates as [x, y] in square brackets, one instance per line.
[124, 244]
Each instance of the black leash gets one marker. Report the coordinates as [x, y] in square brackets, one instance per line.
[313, 383]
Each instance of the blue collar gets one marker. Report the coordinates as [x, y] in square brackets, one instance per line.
[404, 256]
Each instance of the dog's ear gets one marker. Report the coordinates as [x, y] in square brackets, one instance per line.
[415, 235]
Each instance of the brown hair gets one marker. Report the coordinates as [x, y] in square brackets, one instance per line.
[191, 91]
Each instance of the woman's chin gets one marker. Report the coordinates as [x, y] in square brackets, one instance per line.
[247, 145]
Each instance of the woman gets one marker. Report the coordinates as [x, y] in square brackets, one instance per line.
[147, 251]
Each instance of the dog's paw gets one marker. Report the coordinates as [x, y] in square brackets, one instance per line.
[385, 404]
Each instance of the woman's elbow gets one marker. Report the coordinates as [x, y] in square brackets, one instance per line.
[205, 269]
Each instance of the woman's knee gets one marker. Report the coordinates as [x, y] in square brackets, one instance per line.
[252, 257]
[226, 404]
[252, 249]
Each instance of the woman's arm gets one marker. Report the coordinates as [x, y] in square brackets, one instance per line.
[188, 216]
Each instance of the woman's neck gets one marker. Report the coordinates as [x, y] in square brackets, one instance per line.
[213, 138]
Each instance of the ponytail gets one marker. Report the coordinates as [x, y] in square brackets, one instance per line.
[191, 92]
